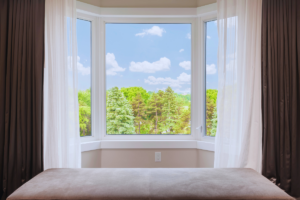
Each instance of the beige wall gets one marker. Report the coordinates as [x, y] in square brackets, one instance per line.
[149, 3]
[144, 158]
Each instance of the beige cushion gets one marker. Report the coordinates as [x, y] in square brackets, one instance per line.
[148, 184]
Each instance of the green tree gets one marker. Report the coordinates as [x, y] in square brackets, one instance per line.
[169, 111]
[186, 98]
[139, 109]
[212, 94]
[131, 92]
[119, 115]
[84, 102]
[154, 109]
[183, 124]
[150, 93]
[214, 123]
[210, 106]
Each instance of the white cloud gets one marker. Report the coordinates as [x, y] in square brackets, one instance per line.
[112, 66]
[81, 69]
[185, 65]
[188, 36]
[161, 65]
[181, 50]
[183, 78]
[208, 37]
[211, 69]
[155, 30]
[184, 91]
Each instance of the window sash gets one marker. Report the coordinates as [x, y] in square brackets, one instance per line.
[198, 88]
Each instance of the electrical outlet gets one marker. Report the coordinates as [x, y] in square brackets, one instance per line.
[157, 156]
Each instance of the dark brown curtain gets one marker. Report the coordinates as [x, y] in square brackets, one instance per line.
[281, 93]
[21, 92]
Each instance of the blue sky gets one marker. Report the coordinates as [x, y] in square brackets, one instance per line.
[211, 55]
[152, 56]
[84, 53]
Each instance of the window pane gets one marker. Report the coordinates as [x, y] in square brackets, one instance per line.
[211, 77]
[148, 78]
[84, 75]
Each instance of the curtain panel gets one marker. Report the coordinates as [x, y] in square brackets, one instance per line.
[61, 124]
[281, 93]
[21, 92]
[239, 137]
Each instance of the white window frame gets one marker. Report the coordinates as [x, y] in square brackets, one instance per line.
[194, 99]
[202, 21]
[93, 74]
[99, 17]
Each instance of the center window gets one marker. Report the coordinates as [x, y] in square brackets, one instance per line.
[148, 79]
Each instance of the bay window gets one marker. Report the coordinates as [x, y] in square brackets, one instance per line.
[146, 78]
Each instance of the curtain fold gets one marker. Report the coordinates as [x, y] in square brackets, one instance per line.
[21, 92]
[238, 141]
[61, 124]
[281, 93]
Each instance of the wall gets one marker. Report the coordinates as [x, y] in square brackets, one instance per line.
[149, 3]
[144, 158]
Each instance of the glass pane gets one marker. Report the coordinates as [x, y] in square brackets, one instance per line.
[84, 75]
[148, 79]
[211, 77]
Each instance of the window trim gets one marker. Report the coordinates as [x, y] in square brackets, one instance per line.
[94, 62]
[193, 134]
[203, 20]
[98, 17]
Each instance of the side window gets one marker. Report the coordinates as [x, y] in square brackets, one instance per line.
[84, 67]
[211, 53]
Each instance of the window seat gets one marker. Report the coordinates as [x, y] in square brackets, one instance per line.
[145, 183]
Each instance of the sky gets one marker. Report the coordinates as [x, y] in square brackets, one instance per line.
[152, 56]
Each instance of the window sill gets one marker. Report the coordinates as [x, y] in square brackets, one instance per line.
[142, 144]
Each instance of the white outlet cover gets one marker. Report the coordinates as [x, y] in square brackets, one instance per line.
[157, 156]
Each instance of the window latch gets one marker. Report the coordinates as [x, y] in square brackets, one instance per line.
[199, 128]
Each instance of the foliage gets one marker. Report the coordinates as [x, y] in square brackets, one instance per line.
[214, 124]
[150, 93]
[84, 102]
[183, 125]
[133, 110]
[119, 115]
[212, 94]
[131, 92]
[169, 109]
[185, 99]
[154, 111]
[139, 111]
[211, 112]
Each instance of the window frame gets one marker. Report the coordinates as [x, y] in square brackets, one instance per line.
[194, 99]
[203, 20]
[94, 113]
[198, 88]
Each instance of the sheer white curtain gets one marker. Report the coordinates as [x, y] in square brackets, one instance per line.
[61, 119]
[238, 140]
